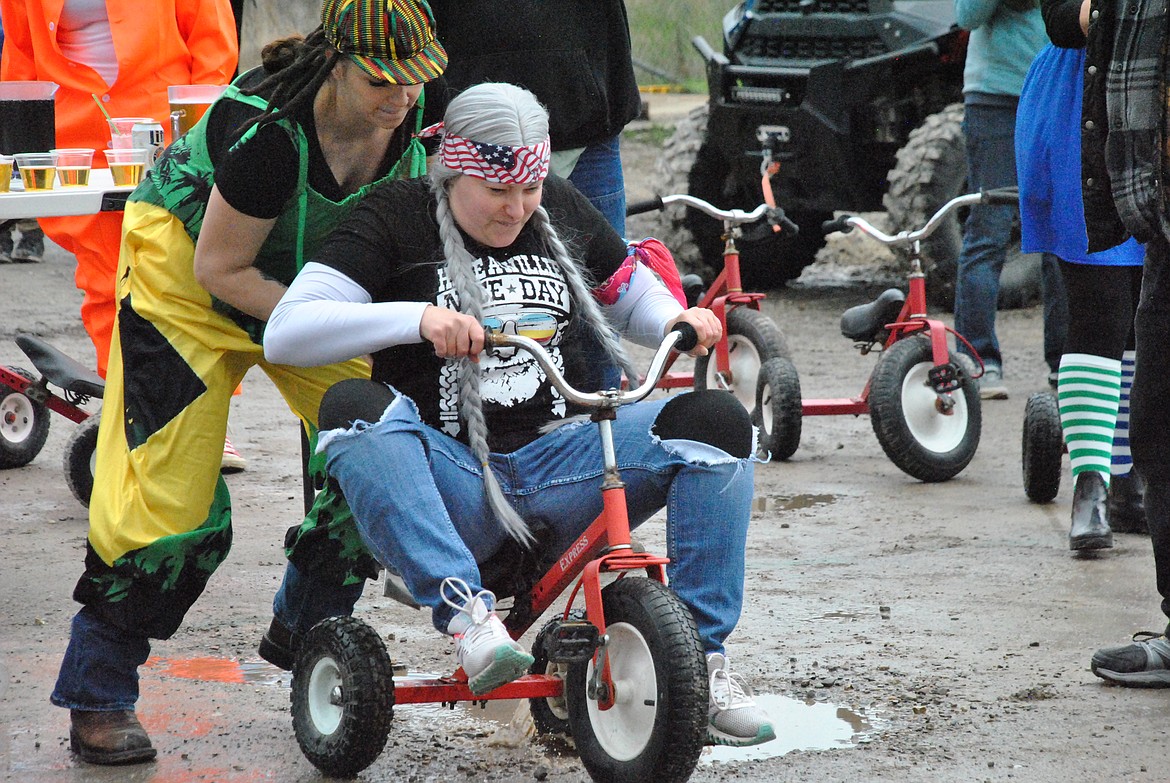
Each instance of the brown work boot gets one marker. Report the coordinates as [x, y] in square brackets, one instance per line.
[109, 737]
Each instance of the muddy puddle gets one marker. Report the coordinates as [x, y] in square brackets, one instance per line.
[800, 724]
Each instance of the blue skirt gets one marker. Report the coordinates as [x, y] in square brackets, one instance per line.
[1048, 163]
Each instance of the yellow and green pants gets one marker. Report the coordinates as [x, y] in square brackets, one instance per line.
[160, 514]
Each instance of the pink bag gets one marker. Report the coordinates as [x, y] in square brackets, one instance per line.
[652, 254]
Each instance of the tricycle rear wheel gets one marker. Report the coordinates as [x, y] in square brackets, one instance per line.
[752, 339]
[550, 715]
[778, 414]
[342, 696]
[1043, 447]
[81, 458]
[24, 425]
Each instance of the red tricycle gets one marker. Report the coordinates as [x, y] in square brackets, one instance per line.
[751, 360]
[922, 397]
[626, 677]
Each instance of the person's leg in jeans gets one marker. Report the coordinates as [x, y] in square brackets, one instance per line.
[1146, 662]
[419, 504]
[990, 137]
[598, 175]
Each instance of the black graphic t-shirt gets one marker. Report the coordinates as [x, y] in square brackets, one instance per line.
[390, 246]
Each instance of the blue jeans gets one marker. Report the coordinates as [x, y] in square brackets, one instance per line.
[417, 495]
[598, 175]
[991, 163]
[304, 600]
[100, 669]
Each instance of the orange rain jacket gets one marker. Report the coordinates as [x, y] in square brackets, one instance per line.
[158, 43]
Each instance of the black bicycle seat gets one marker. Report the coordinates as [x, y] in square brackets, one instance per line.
[61, 370]
[865, 323]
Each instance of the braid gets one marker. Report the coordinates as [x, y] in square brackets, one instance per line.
[583, 297]
[297, 69]
[461, 270]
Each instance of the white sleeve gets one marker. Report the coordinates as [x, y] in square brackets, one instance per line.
[326, 317]
[642, 312]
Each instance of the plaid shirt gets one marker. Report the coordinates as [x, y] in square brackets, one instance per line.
[1122, 124]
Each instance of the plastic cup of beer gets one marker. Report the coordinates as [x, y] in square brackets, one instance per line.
[5, 173]
[120, 130]
[73, 166]
[189, 102]
[37, 170]
[127, 165]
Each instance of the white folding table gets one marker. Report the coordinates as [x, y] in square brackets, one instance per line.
[100, 195]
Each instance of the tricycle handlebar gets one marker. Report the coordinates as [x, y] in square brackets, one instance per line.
[846, 223]
[734, 217]
[681, 338]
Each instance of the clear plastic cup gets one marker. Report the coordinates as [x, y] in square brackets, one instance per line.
[37, 170]
[5, 173]
[189, 102]
[73, 165]
[120, 128]
[127, 165]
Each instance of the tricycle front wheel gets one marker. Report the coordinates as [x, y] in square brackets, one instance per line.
[924, 439]
[656, 727]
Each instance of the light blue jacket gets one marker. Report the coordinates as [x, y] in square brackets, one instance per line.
[1002, 46]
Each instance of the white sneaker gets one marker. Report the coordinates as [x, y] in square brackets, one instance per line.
[488, 654]
[733, 718]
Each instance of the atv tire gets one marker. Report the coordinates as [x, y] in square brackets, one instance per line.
[930, 170]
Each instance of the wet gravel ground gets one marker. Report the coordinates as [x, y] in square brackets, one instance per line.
[945, 629]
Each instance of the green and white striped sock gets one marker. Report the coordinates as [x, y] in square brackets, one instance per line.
[1088, 389]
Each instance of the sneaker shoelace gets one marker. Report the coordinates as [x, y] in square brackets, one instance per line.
[1154, 643]
[729, 690]
[1147, 636]
[465, 602]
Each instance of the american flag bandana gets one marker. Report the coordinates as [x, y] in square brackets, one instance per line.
[492, 162]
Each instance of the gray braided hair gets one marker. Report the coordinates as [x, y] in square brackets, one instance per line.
[496, 113]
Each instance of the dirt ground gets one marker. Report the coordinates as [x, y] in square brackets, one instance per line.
[946, 627]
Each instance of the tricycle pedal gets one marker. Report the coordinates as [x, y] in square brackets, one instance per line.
[571, 641]
[945, 378]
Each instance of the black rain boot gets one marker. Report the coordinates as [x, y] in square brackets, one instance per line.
[1127, 510]
[1090, 514]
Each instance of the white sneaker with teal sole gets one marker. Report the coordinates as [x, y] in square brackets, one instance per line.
[733, 717]
[490, 657]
